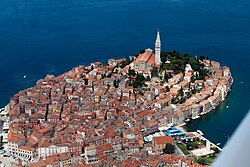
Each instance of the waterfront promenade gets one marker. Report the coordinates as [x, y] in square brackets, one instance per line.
[109, 108]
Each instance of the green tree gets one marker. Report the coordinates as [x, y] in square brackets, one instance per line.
[201, 58]
[169, 149]
[140, 77]
[131, 72]
[216, 150]
[154, 72]
[182, 100]
[139, 81]
[142, 51]
[201, 161]
[147, 78]
[195, 145]
[167, 88]
[166, 76]
[189, 146]
[164, 56]
[181, 91]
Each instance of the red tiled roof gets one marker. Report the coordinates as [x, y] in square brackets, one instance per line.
[163, 139]
[27, 148]
[15, 137]
[147, 56]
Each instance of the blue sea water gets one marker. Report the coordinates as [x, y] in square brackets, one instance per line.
[42, 37]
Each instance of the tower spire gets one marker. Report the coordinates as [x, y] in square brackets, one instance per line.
[158, 49]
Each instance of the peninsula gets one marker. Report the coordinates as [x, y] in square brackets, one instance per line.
[121, 113]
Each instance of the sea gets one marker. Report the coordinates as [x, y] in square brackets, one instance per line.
[40, 37]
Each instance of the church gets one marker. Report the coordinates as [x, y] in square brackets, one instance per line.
[147, 60]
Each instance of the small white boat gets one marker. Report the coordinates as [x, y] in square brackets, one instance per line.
[24, 76]
[241, 82]
[218, 144]
[226, 106]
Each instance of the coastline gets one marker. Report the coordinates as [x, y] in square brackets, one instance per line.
[82, 100]
[202, 136]
[185, 128]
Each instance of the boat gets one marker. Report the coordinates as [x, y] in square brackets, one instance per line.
[218, 144]
[24, 76]
[226, 106]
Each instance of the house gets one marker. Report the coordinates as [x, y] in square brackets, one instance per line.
[214, 100]
[206, 106]
[179, 117]
[113, 62]
[55, 160]
[107, 149]
[26, 152]
[160, 142]
[152, 126]
[195, 111]
[15, 140]
[91, 154]
[75, 148]
[226, 71]
[45, 148]
[129, 133]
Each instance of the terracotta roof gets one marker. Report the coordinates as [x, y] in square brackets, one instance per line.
[90, 147]
[44, 130]
[32, 141]
[37, 164]
[13, 111]
[15, 137]
[107, 147]
[147, 56]
[163, 139]
[44, 143]
[26, 148]
[192, 135]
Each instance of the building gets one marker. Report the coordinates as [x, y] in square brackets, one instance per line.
[56, 160]
[25, 152]
[15, 140]
[46, 149]
[75, 148]
[90, 154]
[113, 62]
[147, 60]
[160, 142]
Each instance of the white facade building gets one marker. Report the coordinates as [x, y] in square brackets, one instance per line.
[44, 151]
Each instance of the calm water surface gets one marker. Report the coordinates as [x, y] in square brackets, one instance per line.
[42, 37]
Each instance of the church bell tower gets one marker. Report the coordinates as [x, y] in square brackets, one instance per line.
[158, 49]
